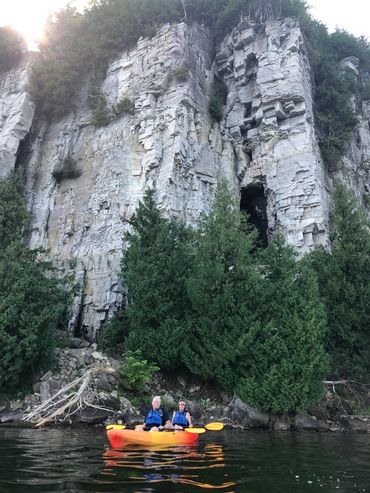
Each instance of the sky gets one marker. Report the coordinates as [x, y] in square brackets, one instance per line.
[28, 16]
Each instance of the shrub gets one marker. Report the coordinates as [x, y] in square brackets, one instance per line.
[69, 171]
[215, 108]
[124, 106]
[100, 116]
[114, 333]
[135, 371]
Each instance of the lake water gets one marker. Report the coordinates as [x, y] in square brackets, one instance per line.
[228, 461]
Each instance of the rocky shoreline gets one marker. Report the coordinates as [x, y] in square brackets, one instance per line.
[100, 401]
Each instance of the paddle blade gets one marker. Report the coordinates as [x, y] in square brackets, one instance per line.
[115, 427]
[214, 426]
[195, 430]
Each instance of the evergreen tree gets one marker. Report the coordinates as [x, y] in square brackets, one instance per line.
[14, 217]
[286, 362]
[155, 268]
[223, 288]
[344, 274]
[33, 302]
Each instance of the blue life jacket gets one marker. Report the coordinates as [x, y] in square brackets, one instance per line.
[180, 419]
[153, 418]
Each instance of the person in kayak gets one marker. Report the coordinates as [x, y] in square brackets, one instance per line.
[157, 418]
[181, 419]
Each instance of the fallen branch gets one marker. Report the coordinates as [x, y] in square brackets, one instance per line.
[64, 400]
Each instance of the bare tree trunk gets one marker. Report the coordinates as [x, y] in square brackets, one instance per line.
[183, 6]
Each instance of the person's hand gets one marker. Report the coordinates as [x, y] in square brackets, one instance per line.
[160, 427]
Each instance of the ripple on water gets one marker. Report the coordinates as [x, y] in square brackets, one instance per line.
[78, 461]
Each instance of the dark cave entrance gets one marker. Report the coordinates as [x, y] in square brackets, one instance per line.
[253, 201]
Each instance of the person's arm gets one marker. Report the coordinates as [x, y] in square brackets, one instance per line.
[189, 420]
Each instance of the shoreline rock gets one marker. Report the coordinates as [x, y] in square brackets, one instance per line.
[101, 403]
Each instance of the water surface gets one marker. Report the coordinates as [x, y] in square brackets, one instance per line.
[80, 460]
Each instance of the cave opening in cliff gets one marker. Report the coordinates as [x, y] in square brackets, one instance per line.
[24, 151]
[253, 202]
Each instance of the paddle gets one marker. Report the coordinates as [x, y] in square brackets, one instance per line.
[214, 426]
[210, 426]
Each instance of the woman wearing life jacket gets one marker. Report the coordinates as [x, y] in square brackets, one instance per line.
[181, 419]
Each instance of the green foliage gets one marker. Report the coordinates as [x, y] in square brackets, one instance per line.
[215, 108]
[68, 171]
[124, 106]
[135, 371]
[344, 275]
[155, 268]
[209, 302]
[14, 218]
[223, 289]
[33, 301]
[286, 360]
[62, 64]
[12, 48]
[218, 99]
[100, 116]
[76, 45]
[114, 332]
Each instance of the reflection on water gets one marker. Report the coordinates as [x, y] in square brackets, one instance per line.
[49, 461]
[179, 465]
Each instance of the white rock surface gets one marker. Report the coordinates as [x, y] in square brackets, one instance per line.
[16, 115]
[266, 140]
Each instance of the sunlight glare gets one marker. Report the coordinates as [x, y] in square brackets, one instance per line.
[28, 17]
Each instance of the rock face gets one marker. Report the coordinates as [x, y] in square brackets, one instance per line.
[16, 115]
[265, 147]
[269, 116]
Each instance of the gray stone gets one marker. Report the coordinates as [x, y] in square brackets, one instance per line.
[171, 143]
[246, 416]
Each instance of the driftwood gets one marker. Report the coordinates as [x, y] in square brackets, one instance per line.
[68, 400]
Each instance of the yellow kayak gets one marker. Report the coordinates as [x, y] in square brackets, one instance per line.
[118, 438]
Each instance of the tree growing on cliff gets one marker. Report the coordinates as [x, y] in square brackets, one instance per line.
[286, 359]
[12, 48]
[33, 301]
[344, 274]
[224, 287]
[155, 268]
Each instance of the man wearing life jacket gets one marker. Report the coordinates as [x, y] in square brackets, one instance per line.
[181, 419]
[157, 418]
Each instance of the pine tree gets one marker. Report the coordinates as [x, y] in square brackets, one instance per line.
[344, 274]
[14, 218]
[286, 361]
[223, 289]
[154, 269]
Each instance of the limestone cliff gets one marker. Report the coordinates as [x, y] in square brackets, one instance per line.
[265, 146]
